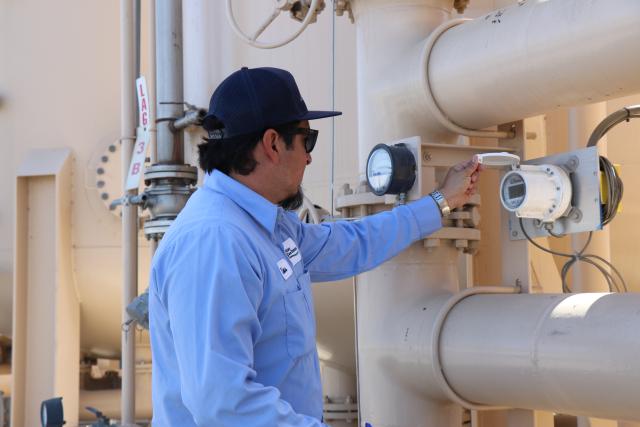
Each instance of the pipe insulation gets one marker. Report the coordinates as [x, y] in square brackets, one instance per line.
[536, 56]
[575, 354]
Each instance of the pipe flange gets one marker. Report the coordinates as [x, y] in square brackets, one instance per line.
[155, 229]
[158, 172]
[168, 189]
[166, 201]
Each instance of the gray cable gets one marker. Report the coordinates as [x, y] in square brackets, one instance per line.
[625, 114]
[613, 283]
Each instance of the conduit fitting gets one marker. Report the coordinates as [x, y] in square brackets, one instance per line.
[432, 104]
[438, 371]
[622, 115]
[190, 118]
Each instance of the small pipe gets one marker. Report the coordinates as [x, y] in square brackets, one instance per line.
[129, 212]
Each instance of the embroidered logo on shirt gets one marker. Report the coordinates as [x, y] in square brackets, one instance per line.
[291, 251]
[284, 268]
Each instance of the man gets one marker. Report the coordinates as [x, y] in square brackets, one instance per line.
[231, 310]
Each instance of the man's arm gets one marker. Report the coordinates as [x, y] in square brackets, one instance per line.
[212, 299]
[342, 249]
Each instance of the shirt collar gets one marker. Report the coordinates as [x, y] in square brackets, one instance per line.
[262, 210]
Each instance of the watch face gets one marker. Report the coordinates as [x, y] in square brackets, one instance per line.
[379, 170]
[514, 191]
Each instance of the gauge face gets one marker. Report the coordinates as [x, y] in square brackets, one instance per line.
[514, 191]
[379, 170]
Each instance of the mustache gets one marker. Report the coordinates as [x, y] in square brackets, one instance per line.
[292, 202]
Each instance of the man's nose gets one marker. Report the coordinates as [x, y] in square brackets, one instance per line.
[308, 159]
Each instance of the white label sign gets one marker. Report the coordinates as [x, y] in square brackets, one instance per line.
[291, 251]
[136, 168]
[285, 269]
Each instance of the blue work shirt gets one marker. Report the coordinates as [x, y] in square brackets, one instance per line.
[232, 320]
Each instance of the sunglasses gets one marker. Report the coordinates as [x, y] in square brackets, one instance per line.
[310, 137]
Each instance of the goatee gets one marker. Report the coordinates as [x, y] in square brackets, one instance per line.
[292, 203]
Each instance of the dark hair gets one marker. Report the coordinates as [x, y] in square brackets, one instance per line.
[236, 154]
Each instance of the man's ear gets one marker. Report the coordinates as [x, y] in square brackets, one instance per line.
[269, 145]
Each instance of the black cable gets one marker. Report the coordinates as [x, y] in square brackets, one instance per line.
[612, 282]
[614, 189]
[613, 181]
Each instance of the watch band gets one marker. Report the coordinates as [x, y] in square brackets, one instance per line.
[441, 202]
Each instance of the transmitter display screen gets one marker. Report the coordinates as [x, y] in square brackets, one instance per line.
[516, 191]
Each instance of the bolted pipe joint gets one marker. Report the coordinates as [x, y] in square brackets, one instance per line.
[168, 189]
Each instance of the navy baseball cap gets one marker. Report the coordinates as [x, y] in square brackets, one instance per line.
[253, 100]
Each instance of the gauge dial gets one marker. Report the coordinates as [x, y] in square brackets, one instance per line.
[379, 170]
[391, 169]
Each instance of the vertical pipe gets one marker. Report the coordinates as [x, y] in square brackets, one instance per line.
[151, 81]
[169, 84]
[586, 278]
[390, 36]
[129, 212]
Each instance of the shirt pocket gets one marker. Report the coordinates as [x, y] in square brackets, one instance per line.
[300, 324]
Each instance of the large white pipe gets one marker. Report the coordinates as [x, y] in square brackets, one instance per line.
[536, 56]
[390, 36]
[575, 354]
[129, 212]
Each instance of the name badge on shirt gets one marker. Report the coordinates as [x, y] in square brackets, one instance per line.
[291, 251]
[285, 269]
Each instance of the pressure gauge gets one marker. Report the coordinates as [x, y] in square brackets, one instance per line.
[391, 169]
[541, 192]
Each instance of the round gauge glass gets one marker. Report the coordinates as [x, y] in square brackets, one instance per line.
[379, 170]
[514, 191]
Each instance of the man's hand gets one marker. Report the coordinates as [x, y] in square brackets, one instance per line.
[461, 182]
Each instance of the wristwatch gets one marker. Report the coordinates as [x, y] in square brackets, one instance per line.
[442, 203]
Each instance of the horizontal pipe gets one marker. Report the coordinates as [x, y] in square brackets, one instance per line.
[575, 354]
[534, 57]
